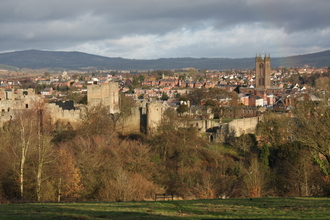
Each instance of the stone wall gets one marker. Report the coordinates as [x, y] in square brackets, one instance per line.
[154, 116]
[201, 124]
[72, 117]
[26, 102]
[234, 129]
[132, 123]
[105, 94]
[244, 126]
[146, 117]
[18, 94]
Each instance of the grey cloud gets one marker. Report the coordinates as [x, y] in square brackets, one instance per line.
[291, 14]
[64, 24]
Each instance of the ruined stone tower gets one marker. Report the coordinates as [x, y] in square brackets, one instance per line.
[105, 94]
[262, 72]
[154, 116]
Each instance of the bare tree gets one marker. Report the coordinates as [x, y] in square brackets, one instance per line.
[44, 146]
[27, 129]
[254, 179]
[67, 175]
[96, 121]
[23, 127]
[323, 83]
[313, 130]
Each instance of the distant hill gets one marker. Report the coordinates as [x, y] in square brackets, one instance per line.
[6, 67]
[36, 59]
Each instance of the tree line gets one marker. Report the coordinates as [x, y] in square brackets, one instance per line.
[41, 161]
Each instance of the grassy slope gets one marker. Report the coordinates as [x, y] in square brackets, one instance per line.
[7, 67]
[260, 208]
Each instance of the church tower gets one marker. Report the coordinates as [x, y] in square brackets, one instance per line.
[262, 72]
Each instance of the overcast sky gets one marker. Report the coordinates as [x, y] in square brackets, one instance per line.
[151, 29]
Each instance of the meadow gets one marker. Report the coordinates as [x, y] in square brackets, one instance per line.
[242, 208]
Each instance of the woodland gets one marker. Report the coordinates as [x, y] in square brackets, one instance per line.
[288, 156]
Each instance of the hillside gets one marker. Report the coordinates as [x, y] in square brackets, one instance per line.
[36, 59]
[6, 67]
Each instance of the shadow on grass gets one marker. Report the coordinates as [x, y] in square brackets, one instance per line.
[78, 211]
[259, 208]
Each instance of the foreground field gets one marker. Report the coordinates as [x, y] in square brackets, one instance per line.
[257, 208]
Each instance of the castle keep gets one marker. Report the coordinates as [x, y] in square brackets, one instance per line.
[105, 94]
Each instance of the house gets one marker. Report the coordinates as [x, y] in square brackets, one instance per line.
[209, 85]
[252, 100]
[168, 82]
[150, 83]
[61, 83]
[77, 85]
[47, 91]
[199, 84]
[5, 86]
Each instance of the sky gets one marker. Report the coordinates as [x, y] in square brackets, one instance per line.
[152, 29]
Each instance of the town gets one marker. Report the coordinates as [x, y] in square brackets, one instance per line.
[181, 123]
[166, 85]
[251, 91]
[152, 109]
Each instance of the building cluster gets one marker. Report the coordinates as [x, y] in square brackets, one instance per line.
[261, 87]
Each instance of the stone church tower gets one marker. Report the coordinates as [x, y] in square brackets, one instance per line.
[262, 72]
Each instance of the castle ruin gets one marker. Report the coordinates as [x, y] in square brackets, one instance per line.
[105, 94]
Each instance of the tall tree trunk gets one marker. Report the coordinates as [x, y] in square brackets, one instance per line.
[22, 159]
[24, 145]
[40, 156]
[39, 180]
[22, 174]
[59, 191]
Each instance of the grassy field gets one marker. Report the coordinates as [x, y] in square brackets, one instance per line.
[257, 208]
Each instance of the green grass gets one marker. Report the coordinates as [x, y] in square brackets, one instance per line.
[260, 208]
[227, 120]
[224, 120]
[224, 149]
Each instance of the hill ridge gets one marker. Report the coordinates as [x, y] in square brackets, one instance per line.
[41, 59]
